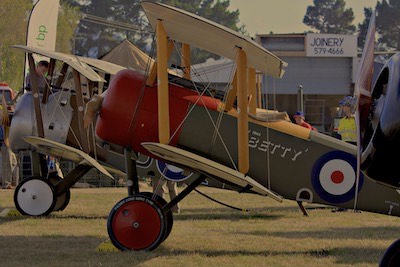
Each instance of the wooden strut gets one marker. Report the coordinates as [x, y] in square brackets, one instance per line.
[80, 112]
[185, 61]
[46, 90]
[252, 90]
[242, 116]
[153, 71]
[35, 93]
[162, 82]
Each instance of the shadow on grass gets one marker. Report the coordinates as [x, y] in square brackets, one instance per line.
[344, 255]
[378, 233]
[84, 217]
[81, 251]
[51, 216]
[354, 255]
[232, 253]
[224, 214]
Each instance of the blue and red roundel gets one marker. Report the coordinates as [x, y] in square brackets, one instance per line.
[334, 177]
[171, 172]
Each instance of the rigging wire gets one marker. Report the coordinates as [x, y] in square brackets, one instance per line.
[216, 127]
[219, 202]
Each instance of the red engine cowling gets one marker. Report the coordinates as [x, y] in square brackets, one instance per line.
[129, 113]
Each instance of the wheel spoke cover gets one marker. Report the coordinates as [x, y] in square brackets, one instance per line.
[136, 223]
[34, 196]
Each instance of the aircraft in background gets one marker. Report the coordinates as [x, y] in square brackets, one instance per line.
[58, 114]
[176, 120]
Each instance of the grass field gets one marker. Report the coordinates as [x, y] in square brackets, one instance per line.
[204, 234]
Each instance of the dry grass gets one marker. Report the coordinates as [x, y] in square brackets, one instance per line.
[204, 234]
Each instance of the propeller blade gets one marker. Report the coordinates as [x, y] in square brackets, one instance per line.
[362, 92]
[364, 77]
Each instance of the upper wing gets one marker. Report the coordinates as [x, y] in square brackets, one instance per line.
[69, 59]
[191, 29]
[208, 167]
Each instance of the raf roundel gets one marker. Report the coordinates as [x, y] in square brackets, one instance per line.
[334, 177]
[171, 172]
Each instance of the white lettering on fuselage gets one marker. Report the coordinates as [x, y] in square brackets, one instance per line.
[273, 148]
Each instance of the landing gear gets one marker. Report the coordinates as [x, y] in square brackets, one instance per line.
[391, 258]
[35, 196]
[137, 223]
[62, 200]
[143, 221]
[38, 196]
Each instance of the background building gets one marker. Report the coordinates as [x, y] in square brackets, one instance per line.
[323, 65]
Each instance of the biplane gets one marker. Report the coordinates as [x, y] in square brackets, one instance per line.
[57, 114]
[231, 141]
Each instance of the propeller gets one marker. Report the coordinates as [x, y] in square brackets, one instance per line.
[362, 92]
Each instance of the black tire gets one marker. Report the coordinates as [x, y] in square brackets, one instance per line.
[391, 258]
[35, 196]
[136, 223]
[63, 200]
[169, 217]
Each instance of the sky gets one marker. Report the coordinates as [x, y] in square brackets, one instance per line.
[285, 16]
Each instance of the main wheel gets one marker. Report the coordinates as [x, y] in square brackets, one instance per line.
[35, 196]
[169, 217]
[63, 200]
[136, 223]
[391, 258]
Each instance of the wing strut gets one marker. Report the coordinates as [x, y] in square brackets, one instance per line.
[162, 81]
[252, 91]
[35, 92]
[185, 61]
[243, 127]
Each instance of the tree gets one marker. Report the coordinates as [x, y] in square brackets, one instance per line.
[96, 37]
[14, 16]
[363, 27]
[388, 24]
[68, 20]
[13, 26]
[330, 16]
[95, 40]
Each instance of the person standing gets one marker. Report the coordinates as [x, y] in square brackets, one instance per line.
[347, 128]
[347, 125]
[301, 120]
[160, 182]
[40, 71]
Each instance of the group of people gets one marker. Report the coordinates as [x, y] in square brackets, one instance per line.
[347, 129]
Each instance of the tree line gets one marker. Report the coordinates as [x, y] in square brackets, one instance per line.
[80, 36]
